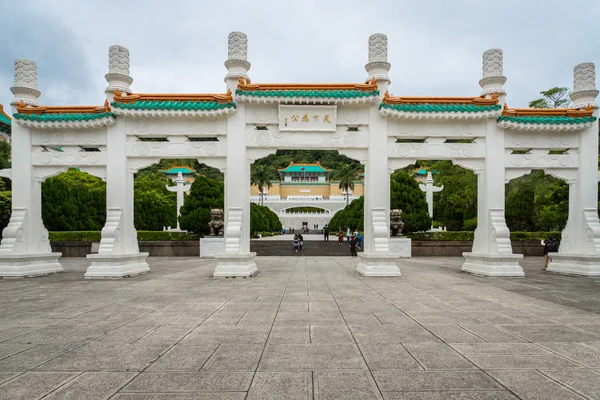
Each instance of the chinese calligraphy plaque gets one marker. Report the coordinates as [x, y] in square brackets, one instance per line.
[307, 118]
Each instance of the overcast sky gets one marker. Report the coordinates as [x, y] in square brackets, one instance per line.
[434, 46]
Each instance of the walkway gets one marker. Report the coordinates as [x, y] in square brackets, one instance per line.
[305, 328]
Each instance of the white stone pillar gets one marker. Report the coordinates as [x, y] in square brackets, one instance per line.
[237, 259]
[25, 249]
[118, 71]
[180, 188]
[492, 250]
[429, 190]
[377, 259]
[118, 255]
[579, 252]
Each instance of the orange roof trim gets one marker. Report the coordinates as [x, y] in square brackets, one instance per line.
[23, 108]
[480, 101]
[3, 113]
[366, 87]
[555, 112]
[132, 98]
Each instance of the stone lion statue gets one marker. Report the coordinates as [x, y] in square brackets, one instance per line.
[217, 222]
[396, 223]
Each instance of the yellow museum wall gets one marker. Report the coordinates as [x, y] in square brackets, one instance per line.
[315, 190]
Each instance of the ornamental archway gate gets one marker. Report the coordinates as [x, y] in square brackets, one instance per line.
[252, 120]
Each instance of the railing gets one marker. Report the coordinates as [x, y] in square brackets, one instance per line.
[303, 199]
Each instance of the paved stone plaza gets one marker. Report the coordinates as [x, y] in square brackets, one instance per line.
[303, 328]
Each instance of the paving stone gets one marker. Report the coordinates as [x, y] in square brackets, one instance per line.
[4, 376]
[533, 385]
[183, 357]
[331, 385]
[234, 357]
[98, 356]
[438, 356]
[396, 381]
[498, 348]
[450, 395]
[490, 333]
[281, 385]
[92, 386]
[181, 396]
[453, 334]
[8, 349]
[583, 381]
[34, 385]
[519, 361]
[33, 357]
[330, 334]
[166, 382]
[390, 356]
[294, 357]
[551, 333]
[579, 352]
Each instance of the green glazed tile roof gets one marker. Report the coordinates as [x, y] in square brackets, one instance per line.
[443, 107]
[307, 168]
[4, 120]
[325, 94]
[172, 105]
[63, 117]
[547, 119]
[175, 171]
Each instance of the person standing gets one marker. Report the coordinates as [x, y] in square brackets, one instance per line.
[301, 238]
[340, 237]
[550, 246]
[352, 243]
[360, 239]
[348, 234]
[296, 242]
[326, 233]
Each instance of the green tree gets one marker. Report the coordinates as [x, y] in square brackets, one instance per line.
[154, 207]
[205, 194]
[406, 195]
[351, 216]
[5, 209]
[74, 201]
[455, 207]
[347, 174]
[259, 176]
[5, 163]
[557, 97]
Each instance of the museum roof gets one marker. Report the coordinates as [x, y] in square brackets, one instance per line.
[308, 90]
[172, 102]
[424, 104]
[551, 116]
[62, 113]
[174, 170]
[304, 168]
[5, 122]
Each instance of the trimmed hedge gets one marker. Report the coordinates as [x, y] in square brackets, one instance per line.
[468, 235]
[95, 236]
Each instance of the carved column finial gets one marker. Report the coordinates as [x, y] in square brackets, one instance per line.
[237, 56]
[378, 65]
[584, 86]
[118, 77]
[25, 87]
[493, 79]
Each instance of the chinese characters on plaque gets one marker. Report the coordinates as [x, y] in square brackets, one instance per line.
[307, 118]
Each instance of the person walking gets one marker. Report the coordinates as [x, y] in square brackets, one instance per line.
[348, 234]
[301, 238]
[340, 237]
[360, 239]
[296, 244]
[326, 233]
[550, 246]
[352, 243]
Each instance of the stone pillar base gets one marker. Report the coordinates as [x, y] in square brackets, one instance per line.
[29, 265]
[575, 264]
[378, 265]
[116, 266]
[493, 264]
[235, 265]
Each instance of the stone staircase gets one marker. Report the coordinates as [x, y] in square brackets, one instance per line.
[311, 248]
